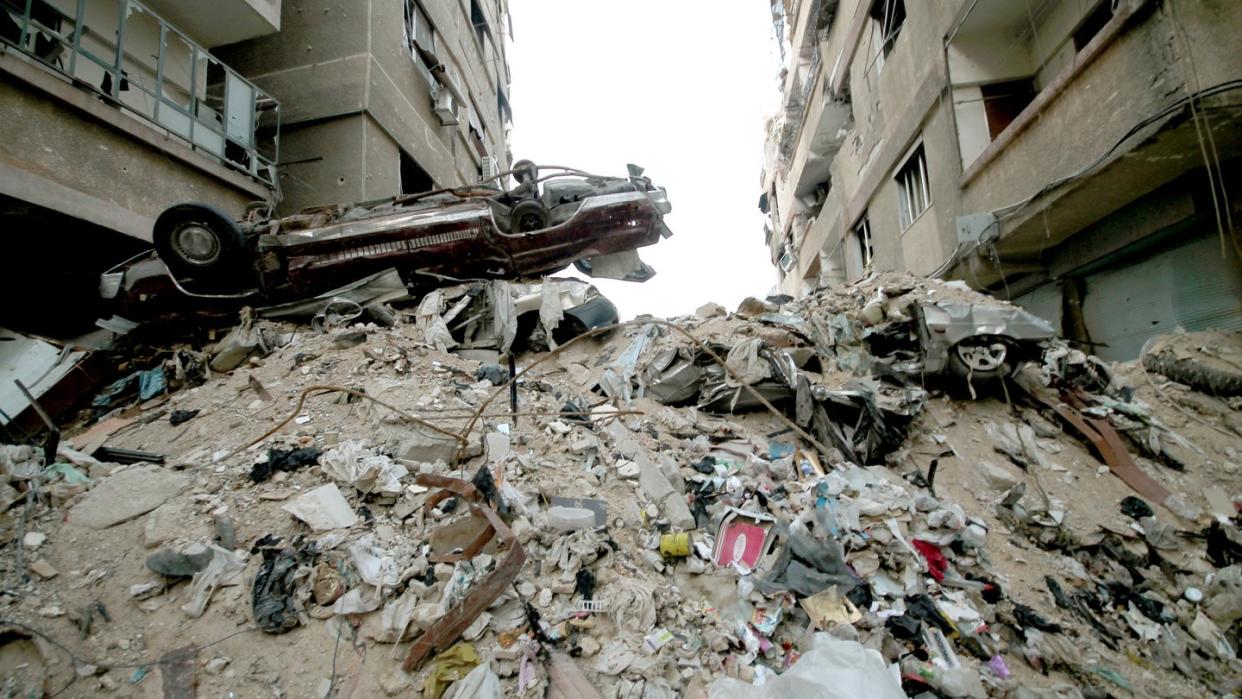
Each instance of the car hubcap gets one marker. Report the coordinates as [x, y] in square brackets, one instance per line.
[984, 356]
[196, 244]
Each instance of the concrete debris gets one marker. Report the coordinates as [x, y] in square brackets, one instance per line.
[43, 569]
[125, 495]
[785, 501]
[323, 509]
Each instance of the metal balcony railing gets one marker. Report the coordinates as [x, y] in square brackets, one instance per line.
[139, 62]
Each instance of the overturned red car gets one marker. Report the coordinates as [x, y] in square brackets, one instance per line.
[553, 217]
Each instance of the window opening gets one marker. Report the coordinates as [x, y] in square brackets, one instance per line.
[479, 20]
[862, 236]
[414, 179]
[889, 16]
[1004, 101]
[915, 194]
[420, 35]
[1093, 24]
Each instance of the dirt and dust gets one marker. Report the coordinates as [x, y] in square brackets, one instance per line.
[891, 494]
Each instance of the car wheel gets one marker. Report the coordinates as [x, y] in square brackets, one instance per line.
[528, 216]
[982, 358]
[201, 245]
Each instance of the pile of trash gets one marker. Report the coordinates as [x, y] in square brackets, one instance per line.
[797, 499]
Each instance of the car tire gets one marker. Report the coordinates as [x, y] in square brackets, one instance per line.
[528, 216]
[204, 247]
[982, 358]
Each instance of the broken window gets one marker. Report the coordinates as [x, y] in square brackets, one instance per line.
[862, 240]
[502, 105]
[787, 260]
[887, 17]
[420, 35]
[479, 20]
[915, 195]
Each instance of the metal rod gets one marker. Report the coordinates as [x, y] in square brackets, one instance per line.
[26, 24]
[77, 39]
[123, 14]
[513, 389]
[53, 436]
[159, 73]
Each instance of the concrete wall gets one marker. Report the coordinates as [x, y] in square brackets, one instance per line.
[47, 141]
[1141, 72]
[907, 97]
[347, 61]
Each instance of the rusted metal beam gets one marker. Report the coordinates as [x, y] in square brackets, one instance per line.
[450, 627]
[1109, 446]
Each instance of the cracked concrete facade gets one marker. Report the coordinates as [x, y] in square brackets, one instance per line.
[1048, 152]
[359, 100]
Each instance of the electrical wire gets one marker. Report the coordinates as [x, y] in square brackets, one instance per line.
[1012, 210]
[1219, 175]
[1009, 211]
[336, 647]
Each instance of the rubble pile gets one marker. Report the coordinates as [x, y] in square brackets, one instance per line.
[779, 501]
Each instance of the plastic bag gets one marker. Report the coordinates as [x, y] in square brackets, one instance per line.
[832, 669]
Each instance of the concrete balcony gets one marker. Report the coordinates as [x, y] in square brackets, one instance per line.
[1120, 114]
[151, 69]
[224, 22]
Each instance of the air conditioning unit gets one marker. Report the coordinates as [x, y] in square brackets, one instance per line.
[490, 168]
[787, 261]
[446, 108]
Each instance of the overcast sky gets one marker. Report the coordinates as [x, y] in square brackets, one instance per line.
[680, 87]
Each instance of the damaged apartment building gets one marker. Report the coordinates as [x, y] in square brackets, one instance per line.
[115, 110]
[1076, 156]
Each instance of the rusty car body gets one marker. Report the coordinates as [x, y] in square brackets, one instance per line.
[553, 217]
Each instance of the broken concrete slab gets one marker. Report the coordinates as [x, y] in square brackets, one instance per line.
[658, 488]
[568, 519]
[496, 446]
[710, 310]
[323, 508]
[126, 495]
[164, 523]
[43, 569]
[997, 477]
[623, 439]
[418, 444]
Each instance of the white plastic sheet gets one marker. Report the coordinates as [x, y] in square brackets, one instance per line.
[832, 669]
[481, 683]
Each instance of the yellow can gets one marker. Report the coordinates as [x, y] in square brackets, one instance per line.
[675, 545]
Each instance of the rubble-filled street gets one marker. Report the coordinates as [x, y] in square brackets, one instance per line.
[821, 349]
[765, 502]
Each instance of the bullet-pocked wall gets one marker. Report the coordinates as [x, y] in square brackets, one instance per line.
[364, 114]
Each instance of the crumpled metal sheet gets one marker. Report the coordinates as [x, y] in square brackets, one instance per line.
[944, 324]
[616, 379]
[626, 266]
[381, 287]
[504, 314]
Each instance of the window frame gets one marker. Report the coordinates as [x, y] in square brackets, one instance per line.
[419, 54]
[913, 187]
[887, 40]
[864, 241]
